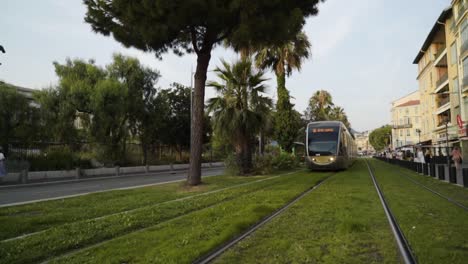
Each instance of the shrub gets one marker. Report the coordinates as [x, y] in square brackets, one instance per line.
[263, 164]
[285, 161]
[232, 168]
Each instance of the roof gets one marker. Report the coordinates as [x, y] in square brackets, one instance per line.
[440, 22]
[410, 103]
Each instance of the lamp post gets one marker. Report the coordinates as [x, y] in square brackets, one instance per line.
[447, 144]
[419, 135]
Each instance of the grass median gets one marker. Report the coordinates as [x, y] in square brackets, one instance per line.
[436, 229]
[183, 239]
[341, 222]
[452, 191]
[23, 219]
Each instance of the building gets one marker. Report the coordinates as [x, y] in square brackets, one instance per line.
[406, 120]
[442, 63]
[362, 142]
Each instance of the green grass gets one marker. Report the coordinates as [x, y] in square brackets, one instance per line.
[455, 192]
[18, 220]
[185, 238]
[340, 222]
[436, 229]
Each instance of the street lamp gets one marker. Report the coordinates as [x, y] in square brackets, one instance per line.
[419, 135]
[447, 120]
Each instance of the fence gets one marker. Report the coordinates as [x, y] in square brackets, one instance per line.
[40, 156]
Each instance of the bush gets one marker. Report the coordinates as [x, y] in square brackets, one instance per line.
[263, 164]
[57, 159]
[285, 161]
[232, 168]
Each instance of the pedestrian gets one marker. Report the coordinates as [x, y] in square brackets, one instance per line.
[420, 156]
[2, 165]
[428, 155]
[457, 157]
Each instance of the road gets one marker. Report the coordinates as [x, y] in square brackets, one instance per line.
[26, 194]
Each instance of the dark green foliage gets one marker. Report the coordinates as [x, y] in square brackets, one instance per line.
[61, 158]
[18, 118]
[322, 108]
[380, 137]
[283, 59]
[197, 26]
[285, 161]
[287, 122]
[241, 110]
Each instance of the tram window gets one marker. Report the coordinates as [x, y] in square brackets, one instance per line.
[323, 141]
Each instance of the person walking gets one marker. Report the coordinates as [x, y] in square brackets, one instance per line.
[2, 165]
[420, 156]
[457, 157]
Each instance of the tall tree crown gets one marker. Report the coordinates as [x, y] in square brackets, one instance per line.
[196, 25]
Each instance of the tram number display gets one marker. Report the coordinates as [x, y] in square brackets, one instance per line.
[323, 130]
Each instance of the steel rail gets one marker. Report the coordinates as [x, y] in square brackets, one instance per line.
[403, 245]
[435, 192]
[218, 251]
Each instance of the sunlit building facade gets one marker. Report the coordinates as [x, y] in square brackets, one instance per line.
[406, 120]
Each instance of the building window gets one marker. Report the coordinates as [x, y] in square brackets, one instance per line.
[416, 110]
[465, 70]
[464, 35]
[408, 132]
[453, 52]
[401, 132]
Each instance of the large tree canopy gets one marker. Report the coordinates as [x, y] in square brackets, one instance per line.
[197, 26]
[380, 137]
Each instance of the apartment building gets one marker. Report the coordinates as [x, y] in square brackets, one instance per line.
[406, 120]
[362, 142]
[442, 63]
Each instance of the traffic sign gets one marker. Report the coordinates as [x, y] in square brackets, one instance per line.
[459, 122]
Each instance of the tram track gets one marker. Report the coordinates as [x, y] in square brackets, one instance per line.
[452, 201]
[402, 243]
[208, 258]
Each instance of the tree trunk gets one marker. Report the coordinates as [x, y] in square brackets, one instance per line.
[244, 155]
[198, 105]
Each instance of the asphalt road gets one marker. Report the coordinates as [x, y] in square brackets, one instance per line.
[26, 194]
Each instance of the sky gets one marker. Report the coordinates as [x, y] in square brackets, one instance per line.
[362, 51]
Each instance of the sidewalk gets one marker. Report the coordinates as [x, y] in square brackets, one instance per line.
[17, 179]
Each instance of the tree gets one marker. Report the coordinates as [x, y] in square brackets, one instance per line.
[283, 59]
[337, 113]
[379, 138]
[17, 118]
[320, 105]
[197, 26]
[140, 101]
[240, 111]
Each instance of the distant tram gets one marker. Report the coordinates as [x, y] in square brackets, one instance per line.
[329, 146]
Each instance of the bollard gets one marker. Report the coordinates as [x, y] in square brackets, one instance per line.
[117, 170]
[441, 172]
[453, 175]
[172, 167]
[433, 172]
[426, 169]
[465, 177]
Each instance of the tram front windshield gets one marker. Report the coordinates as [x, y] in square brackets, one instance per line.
[323, 141]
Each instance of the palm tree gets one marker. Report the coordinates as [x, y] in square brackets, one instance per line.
[337, 113]
[240, 110]
[320, 106]
[284, 58]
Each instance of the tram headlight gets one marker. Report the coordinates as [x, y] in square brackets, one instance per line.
[314, 159]
[332, 159]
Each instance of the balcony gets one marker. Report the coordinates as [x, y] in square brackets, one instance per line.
[442, 51]
[442, 79]
[402, 126]
[465, 81]
[461, 10]
[443, 100]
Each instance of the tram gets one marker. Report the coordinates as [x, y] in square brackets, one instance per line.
[329, 146]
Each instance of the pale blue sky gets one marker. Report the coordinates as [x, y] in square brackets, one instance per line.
[362, 51]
